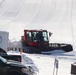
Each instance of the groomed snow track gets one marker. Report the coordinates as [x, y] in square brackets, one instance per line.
[57, 16]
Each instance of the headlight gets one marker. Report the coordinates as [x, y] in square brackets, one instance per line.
[28, 70]
[24, 70]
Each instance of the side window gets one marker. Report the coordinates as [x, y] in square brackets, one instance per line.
[29, 36]
[45, 36]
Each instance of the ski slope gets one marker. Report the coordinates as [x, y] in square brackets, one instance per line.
[57, 16]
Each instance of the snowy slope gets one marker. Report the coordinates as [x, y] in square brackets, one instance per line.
[57, 16]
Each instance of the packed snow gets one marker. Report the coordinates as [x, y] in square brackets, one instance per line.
[45, 63]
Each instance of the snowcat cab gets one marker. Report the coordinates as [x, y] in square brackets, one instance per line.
[34, 39]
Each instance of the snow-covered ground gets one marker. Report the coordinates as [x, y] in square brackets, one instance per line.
[45, 63]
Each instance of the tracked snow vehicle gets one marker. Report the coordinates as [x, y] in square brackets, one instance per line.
[36, 41]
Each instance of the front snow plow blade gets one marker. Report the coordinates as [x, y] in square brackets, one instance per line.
[57, 46]
[67, 48]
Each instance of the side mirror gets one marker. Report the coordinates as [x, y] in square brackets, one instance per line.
[50, 34]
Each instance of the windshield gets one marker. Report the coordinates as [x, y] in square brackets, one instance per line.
[37, 36]
[3, 59]
[40, 36]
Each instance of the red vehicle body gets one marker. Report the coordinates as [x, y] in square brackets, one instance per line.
[35, 37]
[36, 41]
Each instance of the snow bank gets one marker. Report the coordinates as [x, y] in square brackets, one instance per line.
[54, 52]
